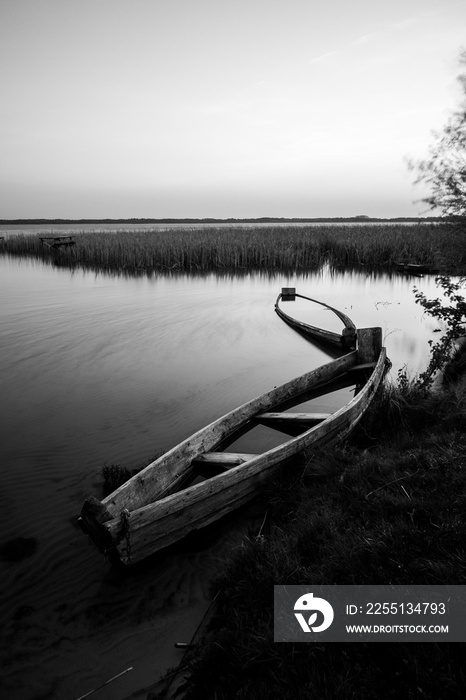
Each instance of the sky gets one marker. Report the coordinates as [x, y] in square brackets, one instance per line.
[222, 108]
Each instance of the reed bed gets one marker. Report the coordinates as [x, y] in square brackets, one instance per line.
[236, 249]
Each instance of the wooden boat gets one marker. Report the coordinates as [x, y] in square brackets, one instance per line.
[346, 340]
[160, 505]
[416, 269]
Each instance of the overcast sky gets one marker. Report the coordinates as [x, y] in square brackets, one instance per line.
[221, 108]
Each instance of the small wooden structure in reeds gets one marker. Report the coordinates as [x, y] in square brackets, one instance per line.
[57, 241]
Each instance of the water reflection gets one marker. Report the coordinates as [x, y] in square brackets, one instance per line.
[103, 369]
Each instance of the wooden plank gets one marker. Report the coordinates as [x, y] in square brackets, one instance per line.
[291, 423]
[362, 367]
[343, 317]
[369, 344]
[288, 293]
[93, 515]
[342, 381]
[292, 417]
[319, 334]
[212, 463]
[227, 459]
[55, 238]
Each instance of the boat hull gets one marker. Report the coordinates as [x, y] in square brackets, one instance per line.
[151, 512]
[344, 341]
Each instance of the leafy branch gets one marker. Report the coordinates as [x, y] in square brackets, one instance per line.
[451, 312]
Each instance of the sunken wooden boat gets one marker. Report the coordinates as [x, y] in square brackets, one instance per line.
[346, 340]
[416, 269]
[160, 505]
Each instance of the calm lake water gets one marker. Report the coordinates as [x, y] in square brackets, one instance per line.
[99, 369]
[76, 228]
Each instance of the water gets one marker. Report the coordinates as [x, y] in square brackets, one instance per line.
[99, 369]
[75, 228]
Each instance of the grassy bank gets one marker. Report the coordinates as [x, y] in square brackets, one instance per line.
[239, 249]
[389, 507]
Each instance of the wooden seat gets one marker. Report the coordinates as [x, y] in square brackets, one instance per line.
[291, 423]
[211, 463]
[362, 367]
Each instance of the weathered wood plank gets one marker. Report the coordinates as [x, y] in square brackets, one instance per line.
[56, 238]
[288, 293]
[348, 323]
[362, 367]
[93, 515]
[212, 463]
[369, 344]
[57, 241]
[231, 459]
[291, 423]
[292, 417]
[319, 334]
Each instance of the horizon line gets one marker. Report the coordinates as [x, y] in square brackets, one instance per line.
[166, 220]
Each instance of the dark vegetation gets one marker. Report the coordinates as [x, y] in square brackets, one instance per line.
[248, 249]
[114, 475]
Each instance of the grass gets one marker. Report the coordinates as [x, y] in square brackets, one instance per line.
[114, 475]
[244, 249]
[388, 507]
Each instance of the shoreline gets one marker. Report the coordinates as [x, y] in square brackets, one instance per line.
[386, 507]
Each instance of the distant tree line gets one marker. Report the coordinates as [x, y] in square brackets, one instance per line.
[259, 220]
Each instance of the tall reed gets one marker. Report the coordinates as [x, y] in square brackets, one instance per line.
[236, 249]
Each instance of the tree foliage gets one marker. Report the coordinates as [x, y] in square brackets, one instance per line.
[451, 313]
[444, 170]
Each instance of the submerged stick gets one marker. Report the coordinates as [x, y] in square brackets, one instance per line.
[110, 680]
